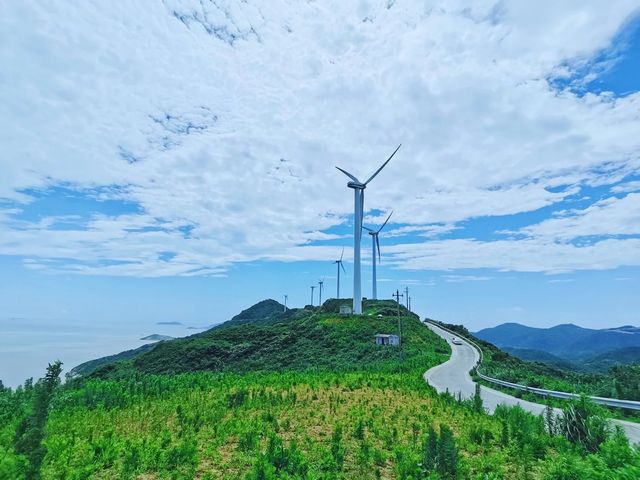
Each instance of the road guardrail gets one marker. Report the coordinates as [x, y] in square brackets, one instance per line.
[609, 402]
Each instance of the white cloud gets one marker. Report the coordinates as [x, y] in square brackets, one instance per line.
[228, 118]
[626, 187]
[529, 255]
[464, 278]
[611, 216]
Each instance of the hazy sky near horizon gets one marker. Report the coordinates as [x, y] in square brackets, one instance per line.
[174, 160]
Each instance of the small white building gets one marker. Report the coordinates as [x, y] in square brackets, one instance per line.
[345, 310]
[387, 339]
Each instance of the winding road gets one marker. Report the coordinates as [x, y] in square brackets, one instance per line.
[453, 376]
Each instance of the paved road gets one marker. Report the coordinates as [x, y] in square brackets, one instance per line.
[453, 376]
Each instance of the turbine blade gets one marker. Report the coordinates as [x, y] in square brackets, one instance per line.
[343, 269]
[349, 175]
[383, 165]
[342, 254]
[378, 244]
[367, 228]
[385, 222]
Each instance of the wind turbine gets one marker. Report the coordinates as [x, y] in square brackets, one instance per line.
[313, 287]
[375, 244]
[320, 287]
[340, 265]
[358, 211]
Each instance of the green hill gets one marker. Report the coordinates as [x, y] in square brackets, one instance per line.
[299, 339]
[262, 313]
[265, 312]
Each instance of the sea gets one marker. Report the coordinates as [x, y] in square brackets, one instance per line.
[28, 345]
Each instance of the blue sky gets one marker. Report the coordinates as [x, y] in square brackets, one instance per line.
[176, 163]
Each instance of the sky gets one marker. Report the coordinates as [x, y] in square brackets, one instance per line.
[174, 161]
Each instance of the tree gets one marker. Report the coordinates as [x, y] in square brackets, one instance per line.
[440, 453]
[30, 431]
[430, 455]
[447, 454]
[549, 419]
[477, 400]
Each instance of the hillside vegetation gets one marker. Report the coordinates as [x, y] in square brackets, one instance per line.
[620, 381]
[304, 395]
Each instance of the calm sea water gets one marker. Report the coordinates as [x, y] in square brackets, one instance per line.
[28, 345]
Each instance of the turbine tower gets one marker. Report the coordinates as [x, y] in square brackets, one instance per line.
[313, 287]
[358, 211]
[340, 265]
[375, 245]
[320, 286]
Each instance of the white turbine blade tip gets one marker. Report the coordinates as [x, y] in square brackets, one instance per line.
[383, 165]
[385, 222]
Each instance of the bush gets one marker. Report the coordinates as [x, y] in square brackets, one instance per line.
[581, 423]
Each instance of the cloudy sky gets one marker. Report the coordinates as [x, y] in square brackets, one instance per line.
[174, 160]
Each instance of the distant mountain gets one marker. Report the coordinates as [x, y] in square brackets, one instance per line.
[621, 356]
[531, 355]
[625, 329]
[168, 323]
[157, 337]
[569, 342]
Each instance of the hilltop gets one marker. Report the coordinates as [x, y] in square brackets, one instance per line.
[264, 337]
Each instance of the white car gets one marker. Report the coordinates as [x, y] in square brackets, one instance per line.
[456, 341]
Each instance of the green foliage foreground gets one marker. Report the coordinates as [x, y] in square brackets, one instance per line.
[364, 413]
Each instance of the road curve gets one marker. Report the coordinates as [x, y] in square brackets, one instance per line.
[453, 376]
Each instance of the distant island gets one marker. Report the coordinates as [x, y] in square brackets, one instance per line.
[168, 323]
[157, 337]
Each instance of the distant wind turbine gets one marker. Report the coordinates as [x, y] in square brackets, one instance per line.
[358, 212]
[313, 287]
[375, 245]
[340, 265]
[320, 287]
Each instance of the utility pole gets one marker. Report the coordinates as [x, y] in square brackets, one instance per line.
[406, 297]
[313, 287]
[409, 303]
[397, 296]
[285, 302]
[320, 283]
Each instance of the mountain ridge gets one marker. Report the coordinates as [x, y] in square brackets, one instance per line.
[568, 342]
